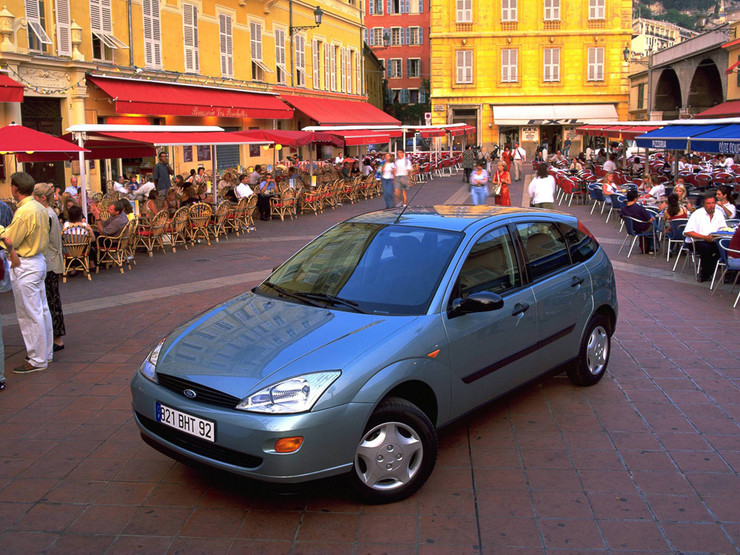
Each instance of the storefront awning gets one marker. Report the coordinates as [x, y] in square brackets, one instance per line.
[673, 137]
[463, 130]
[10, 90]
[293, 139]
[330, 111]
[629, 133]
[187, 139]
[724, 140]
[557, 114]
[132, 96]
[352, 138]
[427, 133]
[729, 109]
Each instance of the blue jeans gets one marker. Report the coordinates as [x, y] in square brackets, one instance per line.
[388, 192]
[479, 194]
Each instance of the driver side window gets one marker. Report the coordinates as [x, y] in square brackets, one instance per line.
[491, 265]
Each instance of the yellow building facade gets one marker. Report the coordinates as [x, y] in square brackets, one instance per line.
[59, 49]
[529, 71]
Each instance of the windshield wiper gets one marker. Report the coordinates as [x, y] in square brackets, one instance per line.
[335, 300]
[297, 296]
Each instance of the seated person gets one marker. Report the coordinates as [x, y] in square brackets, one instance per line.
[636, 166]
[658, 189]
[673, 210]
[142, 193]
[702, 223]
[267, 189]
[119, 186]
[346, 171]
[128, 209]
[189, 197]
[634, 210]
[608, 187]
[150, 206]
[170, 203]
[243, 189]
[72, 188]
[113, 226]
[76, 222]
[726, 201]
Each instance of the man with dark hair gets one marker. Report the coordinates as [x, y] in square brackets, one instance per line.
[29, 235]
[702, 223]
[637, 212]
[162, 173]
[113, 226]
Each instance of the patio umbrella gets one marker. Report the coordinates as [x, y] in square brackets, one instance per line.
[293, 139]
[23, 141]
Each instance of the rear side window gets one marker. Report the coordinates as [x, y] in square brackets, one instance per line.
[490, 266]
[544, 247]
[582, 247]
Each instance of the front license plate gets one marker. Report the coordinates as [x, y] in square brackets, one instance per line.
[198, 427]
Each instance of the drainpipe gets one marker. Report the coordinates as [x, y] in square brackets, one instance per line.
[290, 32]
[130, 36]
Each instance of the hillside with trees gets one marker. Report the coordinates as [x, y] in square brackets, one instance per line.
[685, 13]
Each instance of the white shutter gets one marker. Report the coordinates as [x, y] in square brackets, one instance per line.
[327, 67]
[316, 57]
[96, 21]
[226, 45]
[333, 66]
[464, 66]
[190, 37]
[152, 34]
[106, 16]
[33, 20]
[464, 11]
[64, 28]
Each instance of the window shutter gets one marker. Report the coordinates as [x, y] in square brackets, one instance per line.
[401, 36]
[405, 9]
[420, 35]
[226, 44]
[96, 23]
[152, 36]
[556, 64]
[106, 17]
[371, 7]
[421, 6]
[64, 28]
[422, 96]
[404, 96]
[190, 37]
[408, 67]
[365, 36]
[390, 6]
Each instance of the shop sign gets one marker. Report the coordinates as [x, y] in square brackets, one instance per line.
[570, 133]
[530, 134]
[219, 112]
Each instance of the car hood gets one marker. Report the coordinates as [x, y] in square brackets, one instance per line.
[242, 342]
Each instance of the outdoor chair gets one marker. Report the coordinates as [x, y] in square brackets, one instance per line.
[217, 225]
[283, 205]
[76, 241]
[674, 236]
[617, 202]
[115, 250]
[597, 195]
[235, 217]
[150, 235]
[690, 250]
[199, 216]
[728, 263]
[177, 229]
[650, 233]
[311, 201]
[248, 221]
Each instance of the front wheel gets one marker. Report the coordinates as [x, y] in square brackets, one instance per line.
[593, 356]
[396, 453]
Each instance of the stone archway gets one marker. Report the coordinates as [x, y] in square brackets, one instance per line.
[668, 92]
[706, 86]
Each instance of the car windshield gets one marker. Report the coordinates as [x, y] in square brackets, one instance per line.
[370, 268]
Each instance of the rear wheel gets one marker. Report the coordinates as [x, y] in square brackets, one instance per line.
[594, 352]
[396, 453]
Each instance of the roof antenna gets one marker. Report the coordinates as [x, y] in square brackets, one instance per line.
[398, 218]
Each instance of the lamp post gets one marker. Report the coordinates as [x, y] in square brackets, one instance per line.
[292, 30]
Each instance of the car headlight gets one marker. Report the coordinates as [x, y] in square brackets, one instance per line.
[149, 365]
[290, 396]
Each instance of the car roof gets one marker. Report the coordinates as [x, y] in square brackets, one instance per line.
[452, 217]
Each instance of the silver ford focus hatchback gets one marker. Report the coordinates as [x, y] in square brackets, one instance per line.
[351, 355]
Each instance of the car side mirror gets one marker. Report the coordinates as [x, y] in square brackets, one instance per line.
[482, 301]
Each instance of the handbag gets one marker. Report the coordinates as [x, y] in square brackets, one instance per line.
[496, 188]
[5, 285]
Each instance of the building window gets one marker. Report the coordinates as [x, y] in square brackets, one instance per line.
[101, 26]
[333, 66]
[552, 10]
[259, 69]
[596, 9]
[64, 28]
[327, 66]
[415, 36]
[414, 96]
[396, 36]
[509, 65]
[385, 68]
[377, 37]
[358, 72]
[395, 6]
[508, 10]
[300, 60]
[394, 68]
[596, 64]
[641, 96]
[36, 20]
[281, 72]
[416, 6]
[347, 70]
[316, 53]
[413, 67]
[464, 11]
[464, 66]
[226, 45]
[375, 7]
[152, 34]
[190, 36]
[395, 95]
[552, 64]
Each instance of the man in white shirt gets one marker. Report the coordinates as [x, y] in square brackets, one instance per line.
[404, 168]
[609, 165]
[519, 156]
[72, 187]
[728, 163]
[243, 189]
[339, 159]
[119, 186]
[142, 193]
[702, 223]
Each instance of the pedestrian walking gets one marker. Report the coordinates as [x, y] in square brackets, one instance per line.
[542, 189]
[387, 173]
[478, 180]
[519, 156]
[29, 235]
[162, 173]
[44, 195]
[404, 167]
[501, 181]
[468, 161]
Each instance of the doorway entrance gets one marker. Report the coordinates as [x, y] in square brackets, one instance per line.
[45, 115]
[551, 136]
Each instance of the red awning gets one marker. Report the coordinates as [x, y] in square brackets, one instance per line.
[729, 109]
[186, 139]
[352, 138]
[629, 133]
[330, 111]
[464, 130]
[172, 99]
[426, 133]
[613, 131]
[25, 142]
[732, 68]
[293, 139]
[10, 90]
[588, 129]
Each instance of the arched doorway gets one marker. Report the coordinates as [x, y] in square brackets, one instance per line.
[706, 86]
[668, 93]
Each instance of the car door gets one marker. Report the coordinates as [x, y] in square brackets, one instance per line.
[562, 291]
[488, 350]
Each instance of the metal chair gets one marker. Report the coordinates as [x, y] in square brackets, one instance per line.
[729, 263]
[629, 224]
[675, 235]
[597, 195]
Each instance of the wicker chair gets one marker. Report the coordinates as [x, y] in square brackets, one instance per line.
[177, 230]
[115, 250]
[76, 241]
[218, 224]
[311, 201]
[150, 234]
[235, 217]
[199, 217]
[248, 221]
[284, 205]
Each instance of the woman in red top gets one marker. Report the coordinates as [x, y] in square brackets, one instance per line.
[502, 177]
[506, 157]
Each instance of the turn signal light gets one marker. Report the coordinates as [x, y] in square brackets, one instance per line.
[288, 444]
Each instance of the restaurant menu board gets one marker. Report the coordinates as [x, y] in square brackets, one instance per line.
[254, 150]
[530, 134]
[204, 153]
[187, 154]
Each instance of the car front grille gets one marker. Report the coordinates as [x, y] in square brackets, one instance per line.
[199, 446]
[203, 394]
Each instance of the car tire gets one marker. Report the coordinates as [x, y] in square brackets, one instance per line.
[396, 454]
[593, 355]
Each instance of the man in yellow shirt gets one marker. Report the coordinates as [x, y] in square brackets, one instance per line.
[29, 235]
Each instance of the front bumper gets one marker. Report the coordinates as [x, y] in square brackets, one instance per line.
[245, 441]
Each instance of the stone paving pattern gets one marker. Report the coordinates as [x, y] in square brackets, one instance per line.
[647, 460]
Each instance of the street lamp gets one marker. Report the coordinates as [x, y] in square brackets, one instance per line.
[292, 30]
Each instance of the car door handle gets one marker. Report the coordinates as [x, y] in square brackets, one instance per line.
[576, 281]
[520, 308]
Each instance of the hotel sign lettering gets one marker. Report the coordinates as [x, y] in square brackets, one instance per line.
[219, 111]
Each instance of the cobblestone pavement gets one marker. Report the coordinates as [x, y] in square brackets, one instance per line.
[647, 460]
